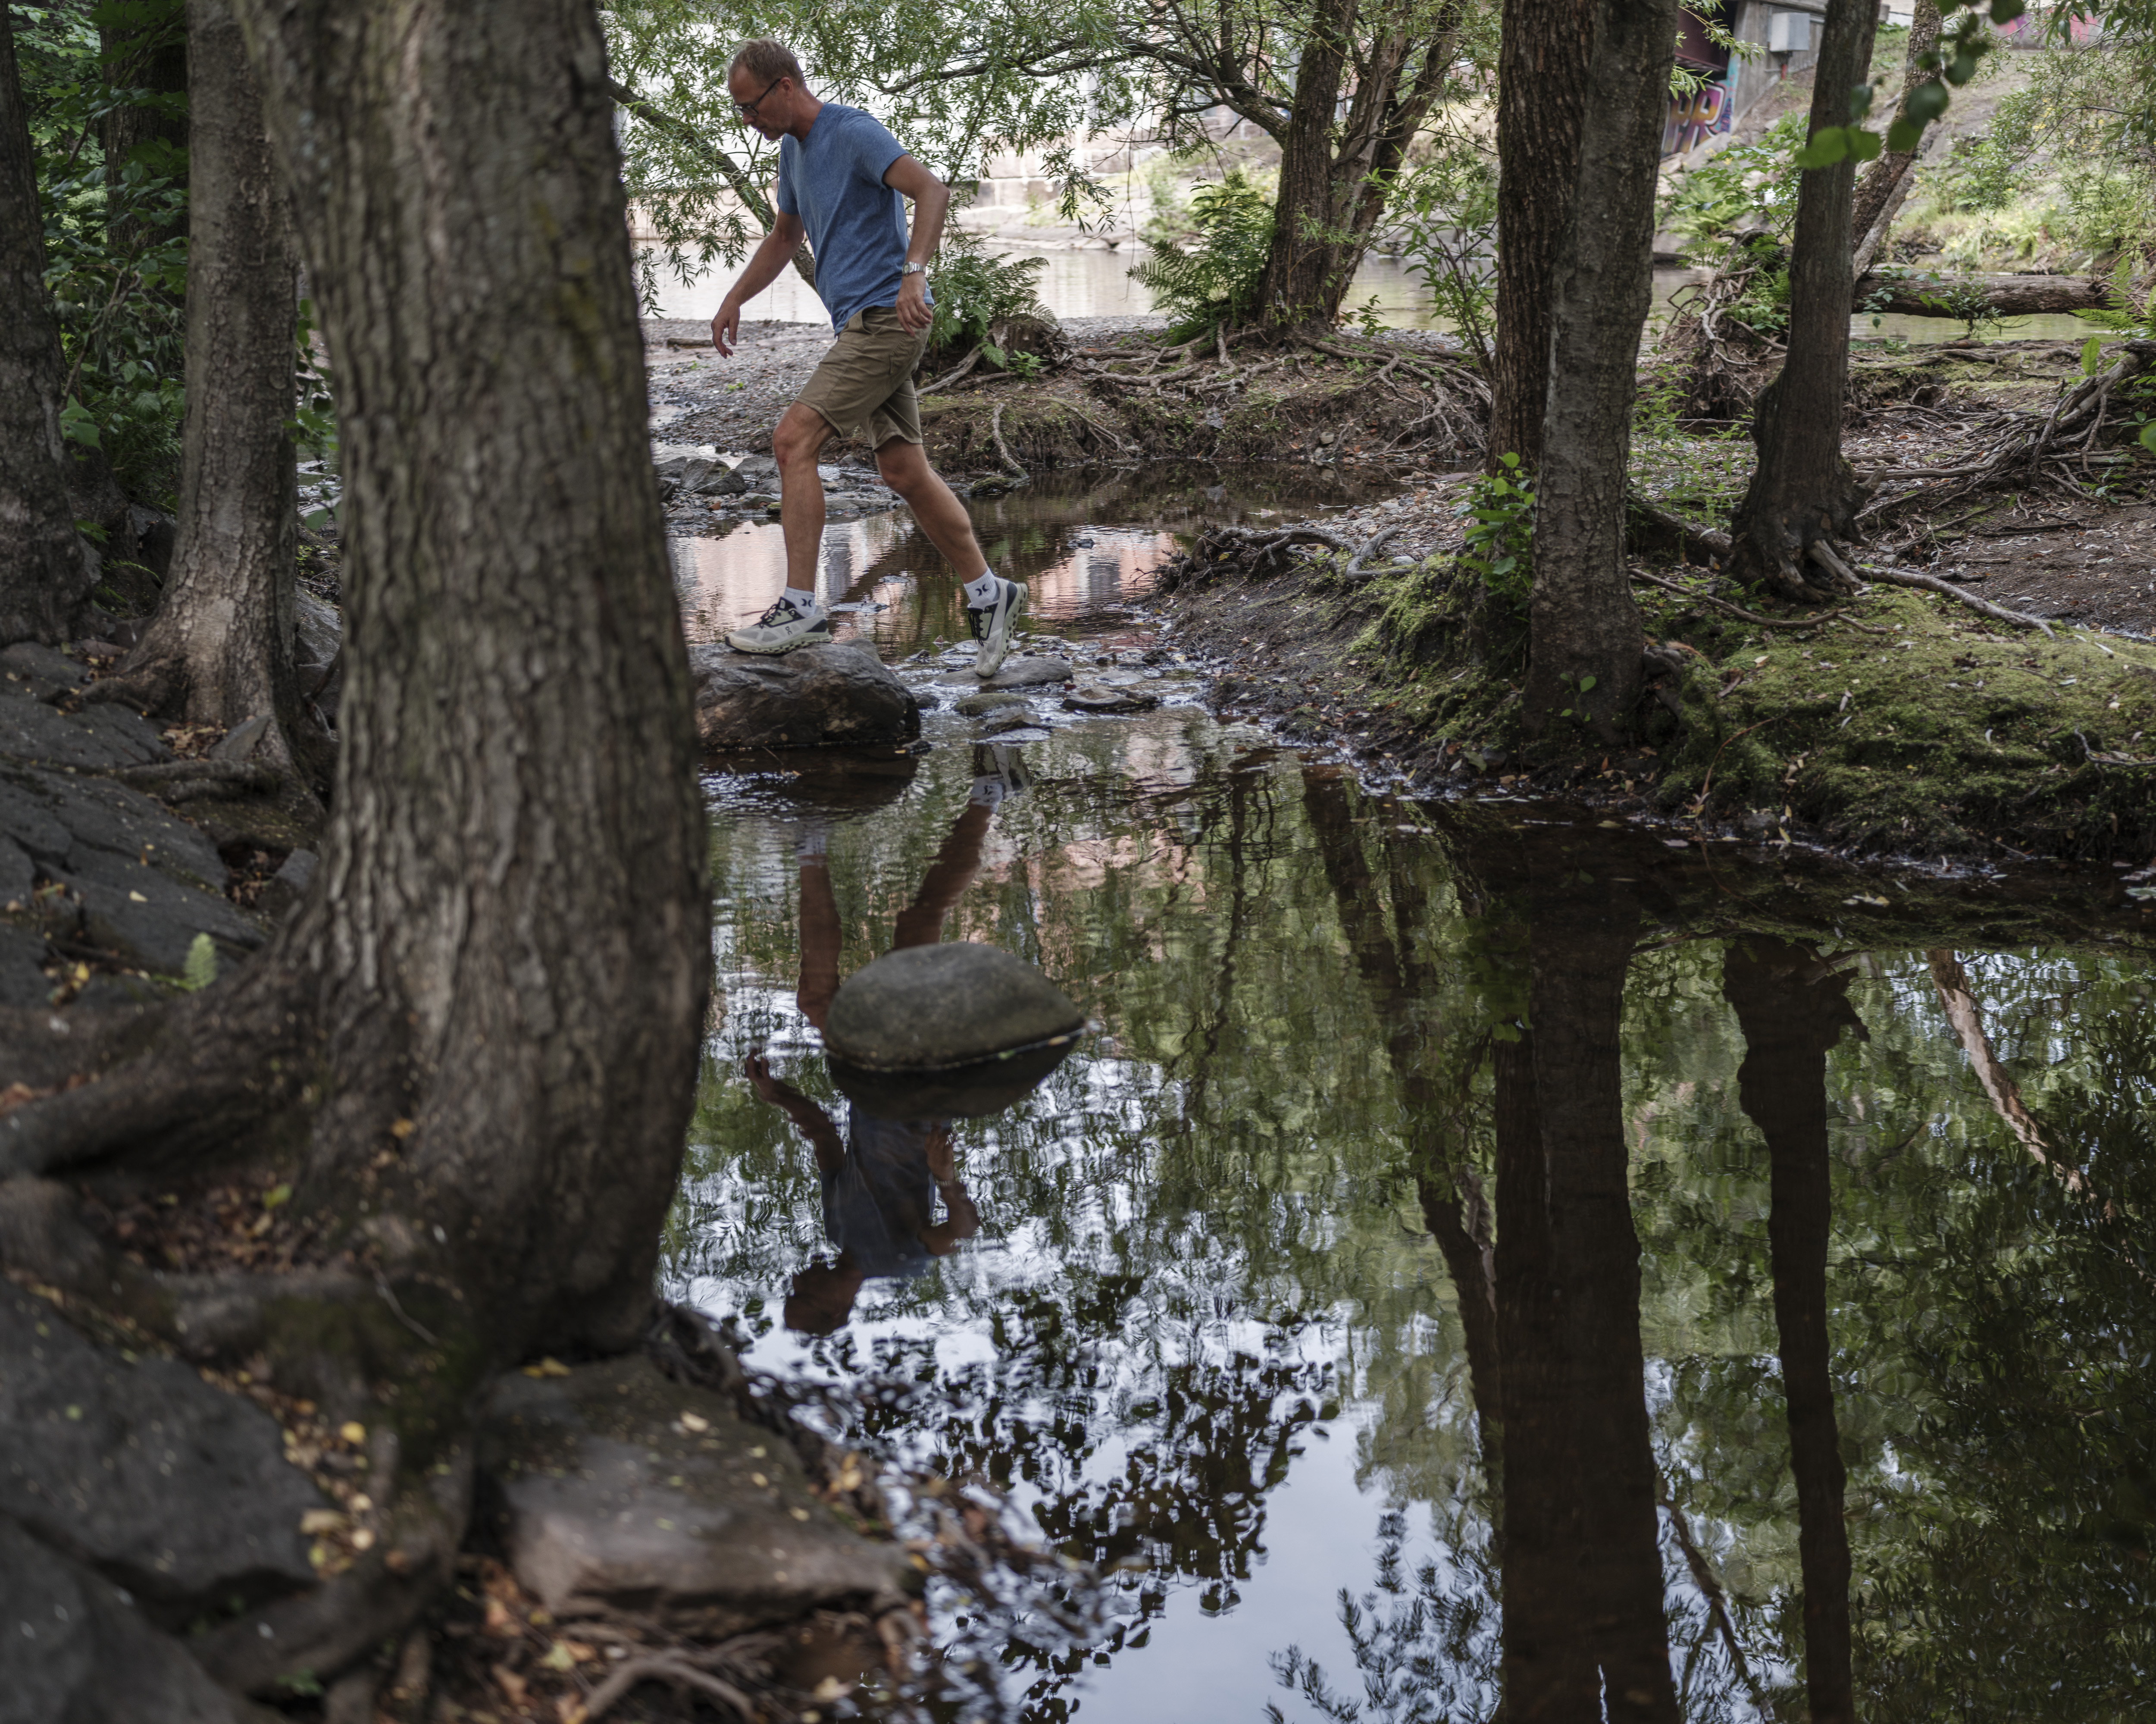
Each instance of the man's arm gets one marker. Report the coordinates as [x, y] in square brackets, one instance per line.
[931, 202]
[766, 264]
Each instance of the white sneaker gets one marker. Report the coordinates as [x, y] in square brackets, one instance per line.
[991, 625]
[782, 628]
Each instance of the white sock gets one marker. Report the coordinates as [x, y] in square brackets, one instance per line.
[803, 602]
[983, 592]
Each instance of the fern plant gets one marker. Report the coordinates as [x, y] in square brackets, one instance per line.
[973, 292]
[1217, 280]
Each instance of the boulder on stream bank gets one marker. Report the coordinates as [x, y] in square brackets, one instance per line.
[815, 697]
[613, 1487]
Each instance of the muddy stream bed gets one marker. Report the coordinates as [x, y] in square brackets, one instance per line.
[1216, 1306]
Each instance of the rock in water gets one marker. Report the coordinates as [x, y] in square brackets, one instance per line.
[974, 706]
[1093, 698]
[928, 1008]
[930, 1031]
[814, 697]
[614, 1487]
[79, 1649]
[1030, 672]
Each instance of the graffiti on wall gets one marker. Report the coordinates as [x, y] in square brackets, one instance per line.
[1705, 112]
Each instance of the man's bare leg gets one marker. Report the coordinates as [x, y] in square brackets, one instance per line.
[796, 619]
[799, 439]
[936, 507]
[992, 603]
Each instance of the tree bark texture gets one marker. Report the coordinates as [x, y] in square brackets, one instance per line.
[475, 1044]
[1582, 623]
[1334, 169]
[1888, 169]
[1803, 493]
[144, 47]
[220, 650]
[1920, 296]
[1583, 1632]
[514, 924]
[1792, 1014]
[44, 575]
[1545, 77]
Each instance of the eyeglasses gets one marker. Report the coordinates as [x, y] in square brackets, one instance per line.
[748, 110]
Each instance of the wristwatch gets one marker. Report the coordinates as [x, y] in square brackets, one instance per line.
[914, 269]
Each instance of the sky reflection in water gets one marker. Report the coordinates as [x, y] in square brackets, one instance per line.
[1228, 1322]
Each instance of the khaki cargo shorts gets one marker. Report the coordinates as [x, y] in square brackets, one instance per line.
[866, 380]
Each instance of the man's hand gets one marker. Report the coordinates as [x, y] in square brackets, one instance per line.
[726, 329]
[767, 1087]
[913, 311]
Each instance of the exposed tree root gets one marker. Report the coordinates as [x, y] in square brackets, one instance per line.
[1933, 584]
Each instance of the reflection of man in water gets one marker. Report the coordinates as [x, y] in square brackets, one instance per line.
[881, 1177]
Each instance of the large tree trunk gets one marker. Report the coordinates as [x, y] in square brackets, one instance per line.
[1584, 1635]
[43, 572]
[1803, 495]
[220, 650]
[1335, 171]
[1791, 1014]
[1583, 628]
[1545, 75]
[1883, 179]
[474, 1046]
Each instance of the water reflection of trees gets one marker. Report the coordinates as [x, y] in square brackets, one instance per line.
[1295, 1182]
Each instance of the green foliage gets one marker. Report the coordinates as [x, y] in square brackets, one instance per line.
[1962, 46]
[1500, 544]
[201, 970]
[973, 291]
[1446, 207]
[1216, 281]
[1968, 303]
[1752, 187]
[955, 86]
[116, 261]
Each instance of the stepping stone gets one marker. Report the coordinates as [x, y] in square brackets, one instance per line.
[1012, 719]
[975, 706]
[1092, 697]
[933, 1031]
[1031, 673]
[814, 697]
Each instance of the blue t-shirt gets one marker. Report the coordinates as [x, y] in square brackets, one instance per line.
[856, 224]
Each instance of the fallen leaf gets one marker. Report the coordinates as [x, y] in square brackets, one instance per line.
[510, 1684]
[353, 1432]
[363, 1539]
[501, 1621]
[316, 1521]
[695, 1421]
[402, 1129]
[559, 1657]
[828, 1690]
[546, 1367]
[276, 1195]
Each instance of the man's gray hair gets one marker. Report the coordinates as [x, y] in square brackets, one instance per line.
[768, 61]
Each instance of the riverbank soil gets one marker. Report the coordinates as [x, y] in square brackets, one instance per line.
[1119, 396]
[1903, 723]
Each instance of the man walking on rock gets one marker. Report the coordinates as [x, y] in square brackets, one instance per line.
[843, 180]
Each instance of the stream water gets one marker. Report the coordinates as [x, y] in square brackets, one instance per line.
[1213, 1304]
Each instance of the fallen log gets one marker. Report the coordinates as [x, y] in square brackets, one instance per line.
[1929, 294]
